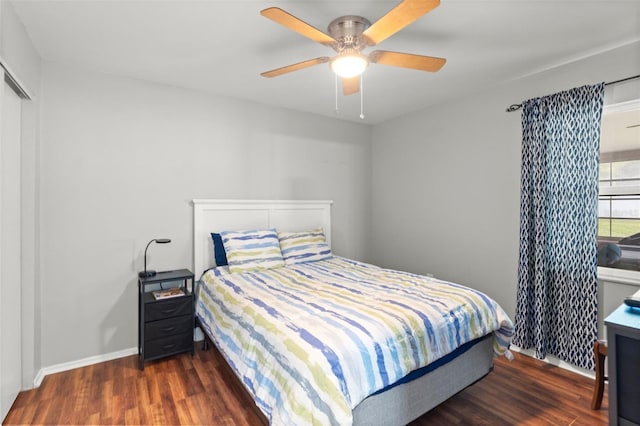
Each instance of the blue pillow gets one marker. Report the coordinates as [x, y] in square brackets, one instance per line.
[219, 254]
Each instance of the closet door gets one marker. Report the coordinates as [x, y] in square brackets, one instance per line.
[10, 330]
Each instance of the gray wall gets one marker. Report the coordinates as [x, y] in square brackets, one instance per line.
[445, 187]
[120, 161]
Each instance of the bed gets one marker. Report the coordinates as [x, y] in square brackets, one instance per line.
[334, 340]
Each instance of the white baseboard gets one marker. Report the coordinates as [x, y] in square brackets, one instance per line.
[555, 361]
[65, 366]
[198, 336]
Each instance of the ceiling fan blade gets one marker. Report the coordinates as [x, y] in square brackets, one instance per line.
[407, 60]
[295, 67]
[350, 85]
[397, 18]
[288, 20]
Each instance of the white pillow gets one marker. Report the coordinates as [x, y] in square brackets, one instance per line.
[302, 247]
[252, 250]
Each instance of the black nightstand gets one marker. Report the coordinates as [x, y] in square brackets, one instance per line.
[165, 326]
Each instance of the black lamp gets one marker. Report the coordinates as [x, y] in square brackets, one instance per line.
[151, 273]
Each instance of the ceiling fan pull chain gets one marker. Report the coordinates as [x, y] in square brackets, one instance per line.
[337, 110]
[361, 96]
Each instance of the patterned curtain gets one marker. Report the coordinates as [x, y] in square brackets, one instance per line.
[556, 311]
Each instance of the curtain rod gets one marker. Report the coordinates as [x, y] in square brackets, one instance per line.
[516, 107]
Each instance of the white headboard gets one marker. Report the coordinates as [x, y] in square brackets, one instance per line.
[228, 215]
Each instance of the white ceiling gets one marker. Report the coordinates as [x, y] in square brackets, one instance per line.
[222, 46]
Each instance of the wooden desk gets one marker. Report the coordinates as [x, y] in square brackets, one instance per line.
[623, 336]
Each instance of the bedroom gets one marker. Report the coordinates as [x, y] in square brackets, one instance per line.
[111, 161]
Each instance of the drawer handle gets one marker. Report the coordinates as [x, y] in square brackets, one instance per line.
[169, 329]
[169, 311]
[169, 346]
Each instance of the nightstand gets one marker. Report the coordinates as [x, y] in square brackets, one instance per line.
[165, 326]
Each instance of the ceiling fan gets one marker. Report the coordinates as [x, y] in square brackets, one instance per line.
[350, 35]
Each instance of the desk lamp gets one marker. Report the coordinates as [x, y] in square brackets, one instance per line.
[150, 273]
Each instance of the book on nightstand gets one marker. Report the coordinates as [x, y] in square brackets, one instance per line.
[168, 293]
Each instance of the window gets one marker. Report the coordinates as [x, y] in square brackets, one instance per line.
[619, 199]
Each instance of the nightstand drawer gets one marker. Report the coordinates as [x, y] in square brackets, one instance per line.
[168, 345]
[168, 327]
[167, 308]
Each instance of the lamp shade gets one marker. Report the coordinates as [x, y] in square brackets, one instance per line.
[150, 273]
[349, 64]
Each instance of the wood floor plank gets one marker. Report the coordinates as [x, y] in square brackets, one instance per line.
[201, 390]
[184, 414]
[132, 417]
[117, 414]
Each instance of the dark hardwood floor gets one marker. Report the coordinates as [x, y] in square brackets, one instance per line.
[200, 390]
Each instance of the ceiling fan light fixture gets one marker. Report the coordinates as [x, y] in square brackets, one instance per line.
[349, 64]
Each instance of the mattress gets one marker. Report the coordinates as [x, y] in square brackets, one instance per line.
[311, 341]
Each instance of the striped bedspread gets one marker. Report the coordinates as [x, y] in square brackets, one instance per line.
[311, 341]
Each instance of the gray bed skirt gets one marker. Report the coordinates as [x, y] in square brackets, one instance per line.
[408, 401]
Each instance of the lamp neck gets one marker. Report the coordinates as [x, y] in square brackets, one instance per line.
[145, 255]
